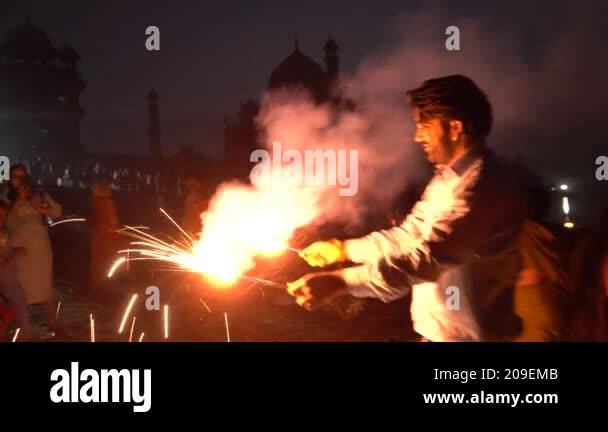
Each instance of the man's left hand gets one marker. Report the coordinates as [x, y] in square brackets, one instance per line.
[314, 290]
[323, 253]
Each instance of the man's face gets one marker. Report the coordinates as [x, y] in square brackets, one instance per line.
[432, 134]
[17, 177]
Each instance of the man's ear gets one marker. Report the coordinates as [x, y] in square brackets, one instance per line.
[456, 130]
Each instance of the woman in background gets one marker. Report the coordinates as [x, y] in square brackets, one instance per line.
[10, 289]
[28, 230]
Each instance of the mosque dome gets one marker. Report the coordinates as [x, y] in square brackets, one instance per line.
[299, 70]
[29, 43]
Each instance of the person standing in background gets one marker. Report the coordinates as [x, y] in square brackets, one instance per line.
[10, 288]
[104, 241]
[28, 230]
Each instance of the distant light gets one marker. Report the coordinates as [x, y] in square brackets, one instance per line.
[569, 225]
[563, 187]
[566, 205]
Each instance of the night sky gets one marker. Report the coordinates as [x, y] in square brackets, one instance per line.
[214, 55]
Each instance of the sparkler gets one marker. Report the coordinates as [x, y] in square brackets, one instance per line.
[57, 312]
[265, 282]
[126, 314]
[16, 334]
[141, 336]
[296, 250]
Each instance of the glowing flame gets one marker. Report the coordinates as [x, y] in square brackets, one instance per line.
[243, 222]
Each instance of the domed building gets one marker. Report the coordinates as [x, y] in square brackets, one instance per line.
[297, 71]
[301, 72]
[40, 89]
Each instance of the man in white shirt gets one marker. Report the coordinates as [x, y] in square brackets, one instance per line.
[458, 243]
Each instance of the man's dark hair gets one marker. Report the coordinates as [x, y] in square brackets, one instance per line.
[454, 97]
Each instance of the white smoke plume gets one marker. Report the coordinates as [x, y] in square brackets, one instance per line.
[533, 102]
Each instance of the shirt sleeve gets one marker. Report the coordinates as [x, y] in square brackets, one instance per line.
[446, 227]
[368, 281]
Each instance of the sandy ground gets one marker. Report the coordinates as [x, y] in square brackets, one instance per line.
[260, 314]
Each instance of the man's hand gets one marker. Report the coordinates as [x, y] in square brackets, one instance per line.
[313, 290]
[323, 253]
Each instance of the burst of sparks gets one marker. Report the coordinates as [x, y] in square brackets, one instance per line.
[132, 326]
[166, 320]
[126, 314]
[141, 336]
[16, 334]
[227, 327]
[57, 312]
[92, 324]
[209, 255]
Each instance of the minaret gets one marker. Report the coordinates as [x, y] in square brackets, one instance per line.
[331, 59]
[154, 125]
